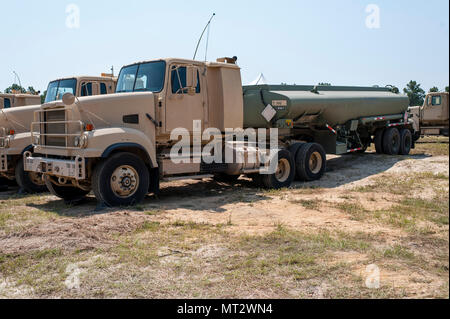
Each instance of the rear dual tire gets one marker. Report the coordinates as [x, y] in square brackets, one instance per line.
[284, 172]
[306, 162]
[310, 162]
[391, 141]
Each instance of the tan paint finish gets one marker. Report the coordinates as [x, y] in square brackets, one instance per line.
[430, 119]
[106, 113]
[19, 119]
[19, 99]
[219, 104]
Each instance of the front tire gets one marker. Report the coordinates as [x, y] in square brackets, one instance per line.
[30, 182]
[121, 180]
[311, 162]
[70, 194]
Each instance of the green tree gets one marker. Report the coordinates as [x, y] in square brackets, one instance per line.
[434, 89]
[446, 89]
[15, 87]
[32, 90]
[415, 93]
[325, 84]
[393, 88]
[43, 96]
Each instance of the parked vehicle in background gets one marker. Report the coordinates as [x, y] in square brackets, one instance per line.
[9, 100]
[432, 118]
[119, 146]
[15, 123]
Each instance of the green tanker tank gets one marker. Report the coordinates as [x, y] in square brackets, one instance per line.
[317, 105]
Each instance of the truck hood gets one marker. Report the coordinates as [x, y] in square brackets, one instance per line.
[106, 110]
[18, 118]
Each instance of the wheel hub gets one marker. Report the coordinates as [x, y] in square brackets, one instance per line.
[124, 181]
[283, 170]
[315, 162]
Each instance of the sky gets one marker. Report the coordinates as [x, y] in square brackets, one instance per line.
[301, 42]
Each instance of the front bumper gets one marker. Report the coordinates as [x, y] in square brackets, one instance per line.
[75, 169]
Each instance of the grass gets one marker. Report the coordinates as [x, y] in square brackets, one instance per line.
[308, 204]
[355, 210]
[160, 257]
[403, 184]
[432, 146]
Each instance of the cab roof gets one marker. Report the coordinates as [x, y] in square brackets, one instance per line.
[187, 61]
[87, 78]
[20, 95]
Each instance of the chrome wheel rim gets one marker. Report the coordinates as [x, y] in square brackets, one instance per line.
[283, 170]
[315, 162]
[124, 181]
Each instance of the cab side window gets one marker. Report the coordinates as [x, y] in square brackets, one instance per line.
[103, 89]
[86, 89]
[436, 100]
[178, 80]
[6, 103]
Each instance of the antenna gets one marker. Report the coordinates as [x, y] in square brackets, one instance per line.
[199, 40]
[17, 76]
[112, 70]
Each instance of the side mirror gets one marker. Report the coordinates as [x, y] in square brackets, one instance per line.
[68, 99]
[191, 79]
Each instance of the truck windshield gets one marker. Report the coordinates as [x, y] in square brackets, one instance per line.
[57, 89]
[142, 77]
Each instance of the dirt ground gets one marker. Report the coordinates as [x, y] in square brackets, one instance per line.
[212, 240]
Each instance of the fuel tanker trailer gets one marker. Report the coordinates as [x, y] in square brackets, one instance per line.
[132, 140]
[341, 119]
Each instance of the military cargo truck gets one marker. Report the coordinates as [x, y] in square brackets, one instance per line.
[122, 145]
[15, 123]
[432, 117]
[8, 100]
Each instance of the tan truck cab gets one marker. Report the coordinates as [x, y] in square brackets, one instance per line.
[14, 100]
[432, 118]
[15, 123]
[119, 145]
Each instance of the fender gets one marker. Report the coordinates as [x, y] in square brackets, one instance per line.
[116, 146]
[107, 140]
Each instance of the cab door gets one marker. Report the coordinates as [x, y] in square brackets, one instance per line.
[433, 110]
[184, 105]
